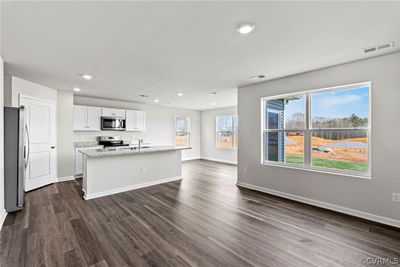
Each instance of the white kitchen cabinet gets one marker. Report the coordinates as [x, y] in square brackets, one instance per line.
[94, 118]
[78, 163]
[80, 115]
[86, 118]
[135, 120]
[141, 120]
[112, 112]
[78, 159]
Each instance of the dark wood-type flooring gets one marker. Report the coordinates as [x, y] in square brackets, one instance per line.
[204, 220]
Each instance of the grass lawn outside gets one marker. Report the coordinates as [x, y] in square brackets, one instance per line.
[294, 160]
[332, 164]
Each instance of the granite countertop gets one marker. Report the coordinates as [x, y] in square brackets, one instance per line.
[105, 152]
[87, 144]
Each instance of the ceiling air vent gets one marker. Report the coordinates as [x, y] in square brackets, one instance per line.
[378, 47]
[384, 46]
[258, 76]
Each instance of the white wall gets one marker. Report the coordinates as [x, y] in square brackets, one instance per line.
[23, 87]
[160, 124]
[14, 87]
[208, 136]
[7, 90]
[2, 209]
[65, 135]
[362, 197]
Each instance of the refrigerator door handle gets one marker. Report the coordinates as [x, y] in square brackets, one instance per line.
[28, 155]
[21, 160]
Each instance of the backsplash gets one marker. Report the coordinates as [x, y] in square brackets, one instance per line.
[128, 137]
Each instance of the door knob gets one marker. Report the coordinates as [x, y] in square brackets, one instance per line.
[53, 147]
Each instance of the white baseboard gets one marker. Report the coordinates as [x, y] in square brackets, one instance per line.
[193, 158]
[129, 188]
[66, 178]
[219, 160]
[3, 215]
[325, 205]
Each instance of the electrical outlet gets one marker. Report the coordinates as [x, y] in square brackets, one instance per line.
[246, 169]
[142, 170]
[396, 197]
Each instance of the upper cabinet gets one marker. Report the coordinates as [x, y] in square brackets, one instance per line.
[86, 118]
[94, 118]
[113, 112]
[135, 120]
[80, 118]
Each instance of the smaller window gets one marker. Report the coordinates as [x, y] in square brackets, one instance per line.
[227, 131]
[284, 129]
[182, 131]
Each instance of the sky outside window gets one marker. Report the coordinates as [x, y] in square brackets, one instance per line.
[341, 104]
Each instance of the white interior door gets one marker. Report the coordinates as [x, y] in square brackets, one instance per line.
[41, 140]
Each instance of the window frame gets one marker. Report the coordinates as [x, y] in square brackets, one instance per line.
[308, 131]
[188, 130]
[234, 147]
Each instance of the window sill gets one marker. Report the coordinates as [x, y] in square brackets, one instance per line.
[288, 166]
[227, 148]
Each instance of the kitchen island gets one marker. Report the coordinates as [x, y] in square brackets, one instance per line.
[110, 171]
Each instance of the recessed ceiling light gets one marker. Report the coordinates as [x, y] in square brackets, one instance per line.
[76, 89]
[87, 76]
[213, 104]
[179, 94]
[245, 28]
[156, 100]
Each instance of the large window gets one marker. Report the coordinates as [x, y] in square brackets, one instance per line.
[182, 131]
[227, 131]
[326, 129]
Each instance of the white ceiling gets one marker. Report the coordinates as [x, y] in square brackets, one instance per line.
[162, 48]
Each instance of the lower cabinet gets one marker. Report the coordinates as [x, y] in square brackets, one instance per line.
[78, 163]
[78, 160]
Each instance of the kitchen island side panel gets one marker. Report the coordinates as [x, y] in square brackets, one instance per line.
[110, 175]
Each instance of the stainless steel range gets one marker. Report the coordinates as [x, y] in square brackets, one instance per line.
[112, 141]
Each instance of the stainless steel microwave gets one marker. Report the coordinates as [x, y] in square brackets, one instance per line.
[113, 124]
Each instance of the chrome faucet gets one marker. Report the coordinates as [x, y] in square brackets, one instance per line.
[140, 141]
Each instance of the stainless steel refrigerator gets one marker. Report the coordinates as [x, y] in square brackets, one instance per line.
[16, 156]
